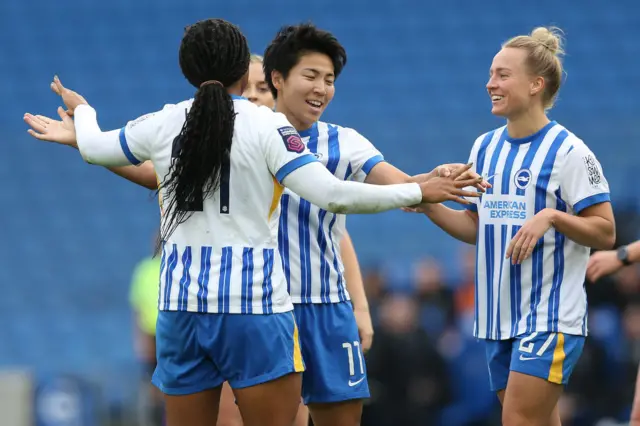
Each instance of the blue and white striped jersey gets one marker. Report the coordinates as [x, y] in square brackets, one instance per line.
[224, 258]
[550, 169]
[309, 237]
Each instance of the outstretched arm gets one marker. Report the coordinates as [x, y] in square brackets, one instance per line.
[316, 184]
[460, 224]
[385, 173]
[313, 182]
[63, 132]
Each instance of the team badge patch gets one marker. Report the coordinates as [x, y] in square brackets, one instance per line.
[593, 172]
[522, 178]
[291, 139]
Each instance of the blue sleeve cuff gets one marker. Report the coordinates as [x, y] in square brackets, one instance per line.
[471, 207]
[125, 148]
[293, 165]
[591, 201]
[368, 165]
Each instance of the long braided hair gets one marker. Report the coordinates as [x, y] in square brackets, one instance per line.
[214, 54]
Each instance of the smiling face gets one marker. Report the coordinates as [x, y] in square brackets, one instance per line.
[257, 90]
[307, 90]
[513, 90]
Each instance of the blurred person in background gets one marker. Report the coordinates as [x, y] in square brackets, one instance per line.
[613, 288]
[592, 391]
[549, 203]
[607, 262]
[434, 295]
[143, 297]
[464, 293]
[408, 377]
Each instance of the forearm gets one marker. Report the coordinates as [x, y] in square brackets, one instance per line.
[317, 185]
[384, 173]
[143, 175]
[96, 146]
[353, 276]
[592, 231]
[460, 224]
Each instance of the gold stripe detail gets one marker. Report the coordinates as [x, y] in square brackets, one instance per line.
[555, 373]
[277, 193]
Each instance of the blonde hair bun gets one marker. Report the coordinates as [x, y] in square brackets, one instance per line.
[551, 38]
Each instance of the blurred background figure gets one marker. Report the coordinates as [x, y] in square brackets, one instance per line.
[143, 297]
[414, 390]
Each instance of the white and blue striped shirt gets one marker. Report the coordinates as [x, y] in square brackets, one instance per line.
[309, 237]
[224, 258]
[550, 169]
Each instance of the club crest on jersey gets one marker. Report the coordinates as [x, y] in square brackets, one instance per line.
[291, 139]
[522, 178]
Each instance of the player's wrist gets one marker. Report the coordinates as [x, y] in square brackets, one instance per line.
[552, 216]
[622, 255]
[432, 174]
[424, 177]
[82, 106]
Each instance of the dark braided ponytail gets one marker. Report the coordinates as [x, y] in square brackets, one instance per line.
[214, 55]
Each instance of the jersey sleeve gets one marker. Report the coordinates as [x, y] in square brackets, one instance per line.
[284, 150]
[137, 137]
[363, 155]
[582, 181]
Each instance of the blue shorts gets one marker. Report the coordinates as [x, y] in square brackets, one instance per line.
[199, 351]
[550, 356]
[335, 367]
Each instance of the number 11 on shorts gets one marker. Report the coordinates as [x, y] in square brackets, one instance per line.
[349, 347]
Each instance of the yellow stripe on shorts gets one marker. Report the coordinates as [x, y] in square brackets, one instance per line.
[555, 373]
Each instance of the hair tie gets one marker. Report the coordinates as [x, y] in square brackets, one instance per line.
[206, 83]
[545, 45]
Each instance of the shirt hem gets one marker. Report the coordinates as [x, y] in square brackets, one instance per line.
[232, 310]
[574, 331]
[317, 301]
